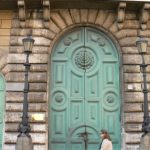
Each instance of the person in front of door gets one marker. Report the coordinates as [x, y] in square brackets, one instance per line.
[106, 143]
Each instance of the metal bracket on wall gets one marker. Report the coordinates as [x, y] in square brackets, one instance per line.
[121, 14]
[46, 12]
[22, 11]
[144, 16]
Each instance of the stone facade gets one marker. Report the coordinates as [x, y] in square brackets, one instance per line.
[12, 31]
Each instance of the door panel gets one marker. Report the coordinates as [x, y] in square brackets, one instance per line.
[84, 94]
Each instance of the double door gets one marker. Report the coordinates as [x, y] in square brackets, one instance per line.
[84, 91]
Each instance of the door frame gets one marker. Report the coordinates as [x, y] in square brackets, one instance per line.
[115, 42]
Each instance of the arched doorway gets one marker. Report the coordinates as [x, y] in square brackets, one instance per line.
[2, 101]
[84, 91]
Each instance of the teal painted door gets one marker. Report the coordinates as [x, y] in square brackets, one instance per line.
[2, 92]
[84, 95]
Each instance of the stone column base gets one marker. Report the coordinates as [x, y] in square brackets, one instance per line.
[24, 143]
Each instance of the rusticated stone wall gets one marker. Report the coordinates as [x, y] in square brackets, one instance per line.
[45, 37]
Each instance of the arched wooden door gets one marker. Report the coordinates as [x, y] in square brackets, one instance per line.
[2, 94]
[84, 91]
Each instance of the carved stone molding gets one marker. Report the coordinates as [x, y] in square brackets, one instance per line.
[121, 14]
[46, 12]
[22, 13]
[144, 15]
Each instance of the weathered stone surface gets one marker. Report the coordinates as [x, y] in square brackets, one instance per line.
[128, 41]
[41, 41]
[33, 77]
[132, 147]
[34, 107]
[135, 117]
[41, 87]
[58, 20]
[131, 24]
[4, 32]
[134, 136]
[34, 23]
[132, 59]
[109, 20]
[33, 58]
[75, 15]
[101, 17]
[6, 14]
[32, 97]
[131, 68]
[53, 27]
[37, 97]
[12, 127]
[12, 137]
[21, 68]
[35, 32]
[126, 33]
[131, 16]
[134, 97]
[84, 15]
[133, 107]
[6, 24]
[132, 77]
[65, 14]
[130, 50]
[15, 23]
[35, 49]
[4, 40]
[35, 147]
[92, 15]
[134, 127]
[113, 28]
[14, 86]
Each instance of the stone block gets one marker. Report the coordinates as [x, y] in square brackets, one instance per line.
[130, 50]
[12, 127]
[75, 13]
[14, 97]
[131, 16]
[4, 32]
[65, 14]
[92, 15]
[33, 58]
[113, 28]
[145, 142]
[133, 107]
[134, 87]
[133, 138]
[126, 33]
[14, 86]
[15, 23]
[33, 77]
[131, 68]
[109, 20]
[132, 59]
[9, 146]
[4, 40]
[6, 24]
[135, 117]
[6, 14]
[102, 15]
[58, 20]
[134, 97]
[41, 41]
[131, 24]
[34, 23]
[133, 127]
[35, 49]
[132, 147]
[128, 41]
[37, 97]
[38, 87]
[32, 97]
[53, 27]
[84, 15]
[132, 77]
